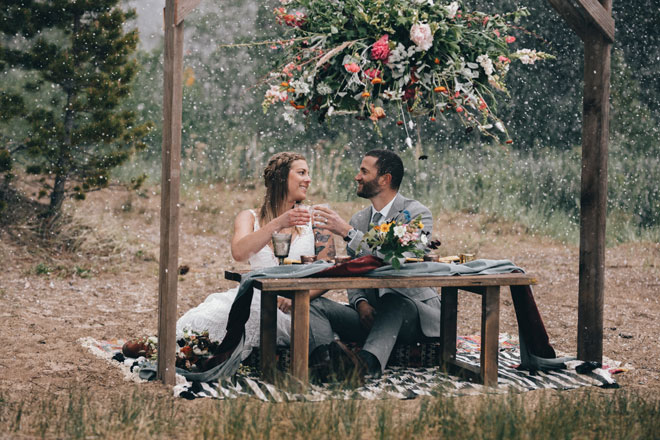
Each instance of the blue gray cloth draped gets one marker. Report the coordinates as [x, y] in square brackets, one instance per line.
[536, 352]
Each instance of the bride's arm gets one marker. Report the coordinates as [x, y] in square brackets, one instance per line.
[247, 242]
[324, 244]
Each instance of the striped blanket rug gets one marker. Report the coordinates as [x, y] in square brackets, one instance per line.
[397, 382]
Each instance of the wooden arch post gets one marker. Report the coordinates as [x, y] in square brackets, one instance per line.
[592, 21]
[174, 13]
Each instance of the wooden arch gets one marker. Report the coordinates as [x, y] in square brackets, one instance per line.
[590, 19]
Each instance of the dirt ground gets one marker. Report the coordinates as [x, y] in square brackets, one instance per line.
[108, 286]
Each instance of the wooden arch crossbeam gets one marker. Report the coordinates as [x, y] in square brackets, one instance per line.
[590, 19]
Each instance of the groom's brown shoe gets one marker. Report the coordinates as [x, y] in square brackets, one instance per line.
[346, 366]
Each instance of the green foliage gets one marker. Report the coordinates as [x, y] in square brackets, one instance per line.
[5, 160]
[78, 65]
[42, 269]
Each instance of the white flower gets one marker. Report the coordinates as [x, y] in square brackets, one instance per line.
[399, 231]
[323, 89]
[527, 56]
[423, 238]
[411, 124]
[300, 86]
[486, 63]
[289, 117]
[393, 94]
[409, 142]
[421, 35]
[452, 9]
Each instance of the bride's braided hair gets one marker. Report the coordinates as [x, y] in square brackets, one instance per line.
[276, 176]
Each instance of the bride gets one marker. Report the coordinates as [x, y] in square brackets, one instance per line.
[287, 180]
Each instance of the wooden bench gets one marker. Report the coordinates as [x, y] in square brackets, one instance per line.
[488, 286]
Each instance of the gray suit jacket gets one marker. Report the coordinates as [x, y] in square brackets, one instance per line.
[426, 298]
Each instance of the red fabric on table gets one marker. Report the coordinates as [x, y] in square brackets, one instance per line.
[356, 266]
[530, 324]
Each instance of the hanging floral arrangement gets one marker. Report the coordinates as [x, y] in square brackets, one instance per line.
[394, 59]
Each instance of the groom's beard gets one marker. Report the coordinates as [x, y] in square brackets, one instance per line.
[369, 189]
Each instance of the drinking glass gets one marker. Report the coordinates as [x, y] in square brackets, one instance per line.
[281, 245]
[315, 223]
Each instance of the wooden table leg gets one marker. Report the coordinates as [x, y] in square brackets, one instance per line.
[268, 335]
[300, 335]
[490, 331]
[448, 316]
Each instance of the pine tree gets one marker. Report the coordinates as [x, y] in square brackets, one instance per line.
[75, 66]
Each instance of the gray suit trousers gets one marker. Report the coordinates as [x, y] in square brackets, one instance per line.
[396, 320]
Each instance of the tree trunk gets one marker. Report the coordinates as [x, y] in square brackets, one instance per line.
[64, 157]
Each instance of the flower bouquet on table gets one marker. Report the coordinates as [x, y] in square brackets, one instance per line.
[392, 59]
[393, 240]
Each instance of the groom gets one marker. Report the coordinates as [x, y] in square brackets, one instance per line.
[378, 318]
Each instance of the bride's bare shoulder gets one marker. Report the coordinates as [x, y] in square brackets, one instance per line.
[247, 215]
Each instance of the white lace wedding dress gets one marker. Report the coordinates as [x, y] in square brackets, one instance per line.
[212, 314]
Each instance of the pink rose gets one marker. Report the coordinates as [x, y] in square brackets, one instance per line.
[381, 49]
[372, 73]
[352, 67]
[510, 39]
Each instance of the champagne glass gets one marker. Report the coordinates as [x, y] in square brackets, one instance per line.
[281, 245]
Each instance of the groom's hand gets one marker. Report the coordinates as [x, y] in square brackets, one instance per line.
[367, 314]
[328, 219]
[284, 304]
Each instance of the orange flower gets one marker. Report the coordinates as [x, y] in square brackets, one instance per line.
[432, 119]
[399, 122]
[284, 84]
[366, 94]
[440, 89]
[436, 60]
[509, 141]
[385, 227]
[290, 90]
[376, 113]
[459, 109]
[376, 81]
[299, 107]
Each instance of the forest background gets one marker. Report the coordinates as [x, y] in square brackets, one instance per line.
[534, 181]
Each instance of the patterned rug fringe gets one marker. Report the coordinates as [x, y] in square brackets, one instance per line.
[397, 382]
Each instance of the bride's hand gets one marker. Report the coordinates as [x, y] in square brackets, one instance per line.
[284, 304]
[298, 216]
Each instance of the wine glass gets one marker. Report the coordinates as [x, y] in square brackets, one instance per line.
[281, 245]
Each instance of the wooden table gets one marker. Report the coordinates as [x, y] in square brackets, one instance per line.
[297, 289]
